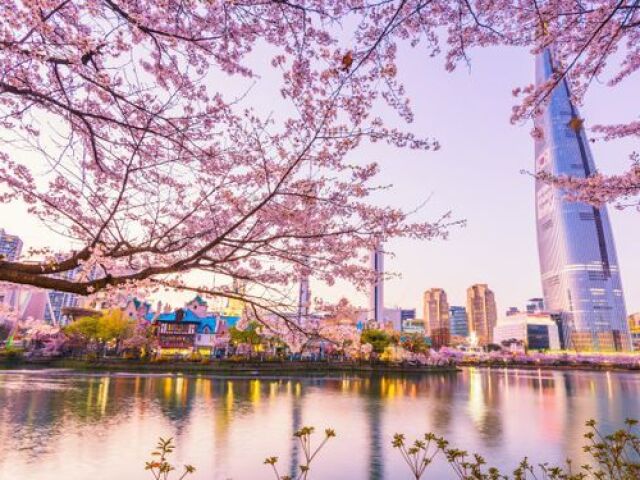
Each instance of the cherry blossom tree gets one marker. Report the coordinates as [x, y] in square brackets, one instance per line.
[592, 41]
[125, 132]
[129, 127]
[142, 341]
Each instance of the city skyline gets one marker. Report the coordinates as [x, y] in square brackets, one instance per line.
[319, 240]
[479, 147]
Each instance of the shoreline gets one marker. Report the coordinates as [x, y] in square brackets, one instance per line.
[559, 367]
[260, 368]
[249, 369]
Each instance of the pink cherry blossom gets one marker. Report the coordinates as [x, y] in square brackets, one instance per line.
[146, 151]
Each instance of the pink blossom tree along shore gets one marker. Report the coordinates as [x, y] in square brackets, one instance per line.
[123, 129]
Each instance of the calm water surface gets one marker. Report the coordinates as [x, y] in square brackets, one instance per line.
[65, 425]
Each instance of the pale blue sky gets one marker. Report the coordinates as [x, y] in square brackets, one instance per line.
[476, 174]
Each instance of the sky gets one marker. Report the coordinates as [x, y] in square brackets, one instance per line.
[476, 175]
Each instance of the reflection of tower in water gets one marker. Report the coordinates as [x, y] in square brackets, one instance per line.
[373, 408]
[484, 405]
[296, 424]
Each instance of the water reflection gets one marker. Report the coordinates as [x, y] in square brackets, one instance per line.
[227, 426]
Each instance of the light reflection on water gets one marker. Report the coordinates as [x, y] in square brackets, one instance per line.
[60, 425]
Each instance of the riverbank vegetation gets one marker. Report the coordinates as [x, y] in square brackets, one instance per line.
[610, 456]
[614, 456]
[111, 340]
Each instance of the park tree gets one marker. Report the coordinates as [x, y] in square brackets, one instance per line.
[414, 342]
[132, 128]
[97, 331]
[141, 339]
[142, 148]
[378, 339]
[248, 336]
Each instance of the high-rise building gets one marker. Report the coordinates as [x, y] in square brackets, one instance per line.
[59, 301]
[377, 290]
[10, 250]
[634, 329]
[481, 312]
[458, 321]
[304, 299]
[407, 314]
[44, 305]
[436, 317]
[578, 262]
[392, 318]
[10, 246]
[537, 331]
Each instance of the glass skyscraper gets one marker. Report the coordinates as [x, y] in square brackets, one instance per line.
[458, 320]
[10, 246]
[578, 262]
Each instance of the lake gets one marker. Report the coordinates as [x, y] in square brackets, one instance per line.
[57, 424]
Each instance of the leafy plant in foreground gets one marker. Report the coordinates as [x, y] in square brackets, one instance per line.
[613, 457]
[419, 455]
[304, 437]
[159, 466]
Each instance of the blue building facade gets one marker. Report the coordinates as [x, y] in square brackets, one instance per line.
[459, 321]
[57, 302]
[10, 246]
[578, 261]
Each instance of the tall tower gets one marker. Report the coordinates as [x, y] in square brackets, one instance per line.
[578, 262]
[481, 312]
[304, 299]
[436, 317]
[377, 290]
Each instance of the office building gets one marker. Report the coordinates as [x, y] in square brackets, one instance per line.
[578, 261]
[436, 317]
[304, 299]
[458, 321]
[377, 286]
[481, 312]
[413, 325]
[634, 329]
[392, 318]
[28, 302]
[10, 246]
[537, 331]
